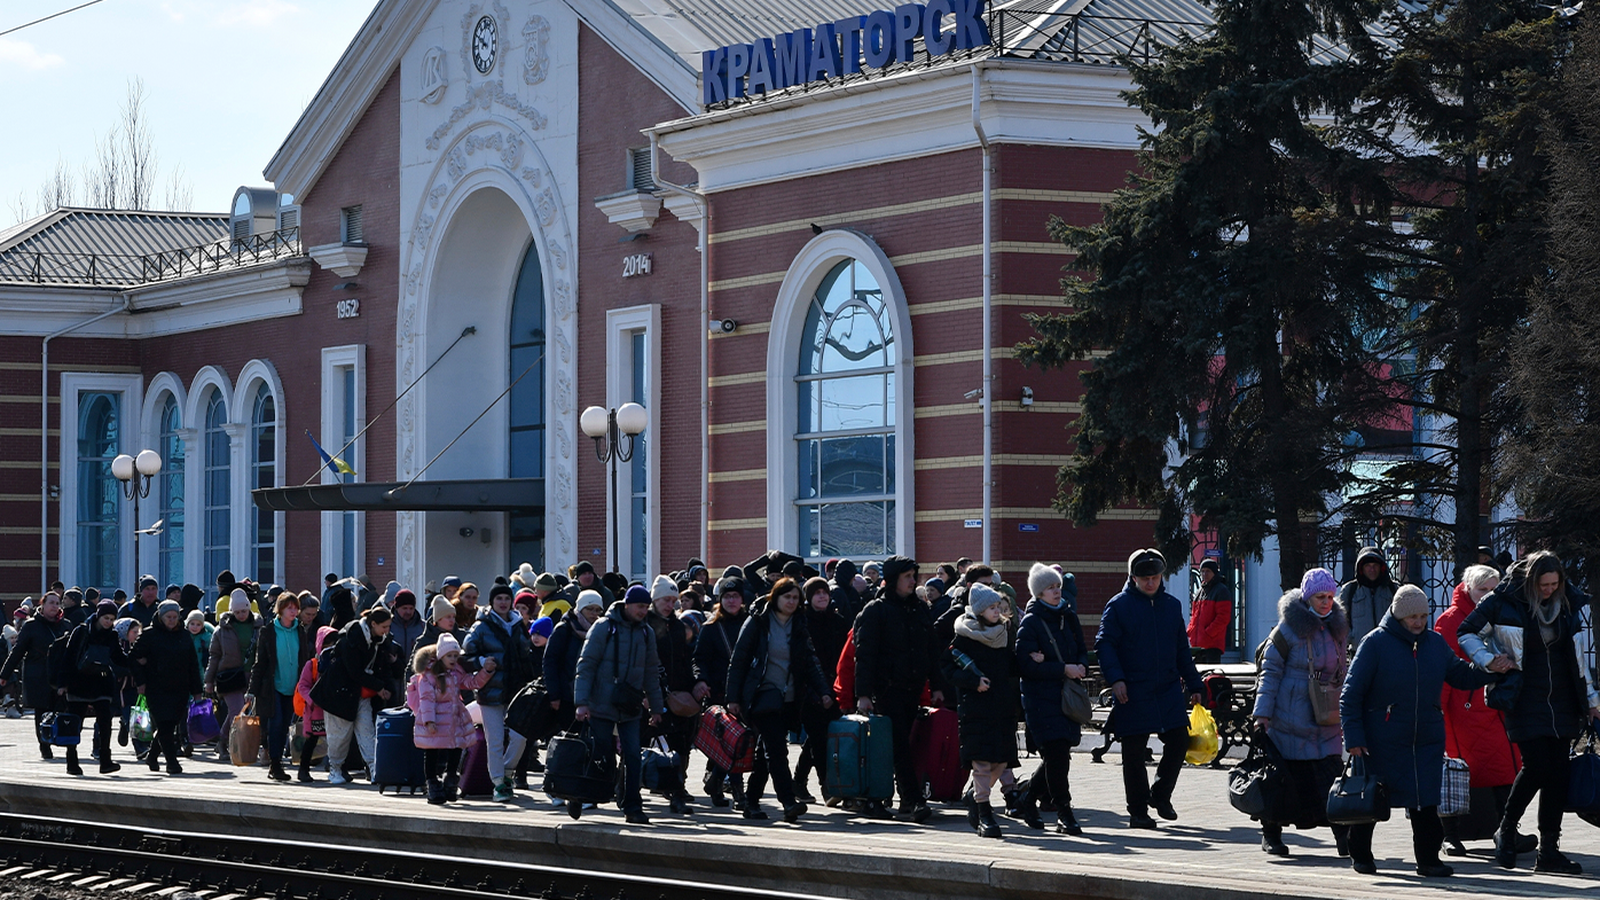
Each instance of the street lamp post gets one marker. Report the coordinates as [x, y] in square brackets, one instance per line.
[136, 473]
[609, 428]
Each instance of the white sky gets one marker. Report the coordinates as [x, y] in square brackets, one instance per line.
[224, 82]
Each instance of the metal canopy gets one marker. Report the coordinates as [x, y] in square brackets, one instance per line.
[478, 495]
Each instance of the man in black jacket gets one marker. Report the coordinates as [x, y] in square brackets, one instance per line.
[896, 654]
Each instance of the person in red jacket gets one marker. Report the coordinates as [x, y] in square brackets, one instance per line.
[1473, 732]
[1210, 614]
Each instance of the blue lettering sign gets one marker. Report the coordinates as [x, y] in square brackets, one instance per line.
[836, 49]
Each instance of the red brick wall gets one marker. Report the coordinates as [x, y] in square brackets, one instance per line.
[607, 128]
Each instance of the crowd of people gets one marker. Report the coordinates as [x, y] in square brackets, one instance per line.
[1503, 682]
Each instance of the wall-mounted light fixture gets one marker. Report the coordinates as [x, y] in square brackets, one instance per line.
[1027, 398]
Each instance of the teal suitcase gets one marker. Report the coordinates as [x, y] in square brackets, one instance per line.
[861, 758]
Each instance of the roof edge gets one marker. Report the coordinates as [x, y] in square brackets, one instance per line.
[361, 72]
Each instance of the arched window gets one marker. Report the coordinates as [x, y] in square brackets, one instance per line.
[99, 494]
[263, 474]
[527, 403]
[846, 424]
[169, 495]
[218, 473]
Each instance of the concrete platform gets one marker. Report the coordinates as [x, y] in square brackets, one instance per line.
[1210, 852]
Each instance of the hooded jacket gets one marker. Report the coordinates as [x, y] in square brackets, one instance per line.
[1367, 602]
[31, 657]
[1143, 643]
[1473, 731]
[986, 721]
[1390, 706]
[895, 647]
[846, 599]
[164, 666]
[560, 663]
[1283, 689]
[352, 666]
[86, 667]
[617, 650]
[441, 707]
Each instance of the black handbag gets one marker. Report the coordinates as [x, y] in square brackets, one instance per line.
[575, 769]
[1356, 797]
[1583, 785]
[529, 713]
[767, 700]
[232, 681]
[1257, 785]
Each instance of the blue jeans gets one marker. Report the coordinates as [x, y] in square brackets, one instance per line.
[628, 734]
[278, 736]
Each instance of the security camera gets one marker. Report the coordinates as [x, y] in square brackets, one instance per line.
[466, 532]
[726, 326]
[973, 394]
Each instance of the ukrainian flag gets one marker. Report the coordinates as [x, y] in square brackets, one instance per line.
[336, 466]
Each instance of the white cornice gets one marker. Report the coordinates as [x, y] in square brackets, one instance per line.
[343, 260]
[913, 114]
[360, 73]
[194, 304]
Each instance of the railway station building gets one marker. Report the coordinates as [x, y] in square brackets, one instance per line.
[803, 234]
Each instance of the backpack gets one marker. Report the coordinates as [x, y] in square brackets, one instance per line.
[1277, 639]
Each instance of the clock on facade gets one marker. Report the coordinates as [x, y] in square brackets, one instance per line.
[483, 44]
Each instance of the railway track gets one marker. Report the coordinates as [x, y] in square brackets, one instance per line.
[113, 860]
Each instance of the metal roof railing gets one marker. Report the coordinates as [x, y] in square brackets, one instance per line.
[125, 270]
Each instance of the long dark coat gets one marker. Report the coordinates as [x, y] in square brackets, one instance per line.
[1144, 643]
[266, 661]
[1041, 681]
[987, 720]
[31, 657]
[713, 650]
[165, 665]
[86, 669]
[1390, 706]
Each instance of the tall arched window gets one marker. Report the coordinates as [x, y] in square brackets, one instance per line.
[99, 494]
[169, 494]
[218, 473]
[263, 474]
[527, 403]
[845, 428]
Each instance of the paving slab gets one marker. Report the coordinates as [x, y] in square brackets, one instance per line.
[1212, 851]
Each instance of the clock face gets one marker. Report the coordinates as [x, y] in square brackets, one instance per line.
[483, 44]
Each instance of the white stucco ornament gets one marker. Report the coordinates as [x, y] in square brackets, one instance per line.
[435, 75]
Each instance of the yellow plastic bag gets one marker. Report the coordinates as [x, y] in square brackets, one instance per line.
[1202, 736]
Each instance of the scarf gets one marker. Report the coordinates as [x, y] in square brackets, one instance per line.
[993, 636]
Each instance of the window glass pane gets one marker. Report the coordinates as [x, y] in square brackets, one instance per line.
[851, 403]
[99, 494]
[810, 531]
[527, 454]
[263, 464]
[527, 345]
[854, 529]
[169, 490]
[639, 551]
[852, 466]
[888, 463]
[854, 341]
[217, 467]
[808, 469]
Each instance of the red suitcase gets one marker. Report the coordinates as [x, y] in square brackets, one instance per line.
[936, 743]
[725, 741]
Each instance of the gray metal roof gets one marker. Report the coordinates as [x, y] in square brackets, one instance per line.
[117, 232]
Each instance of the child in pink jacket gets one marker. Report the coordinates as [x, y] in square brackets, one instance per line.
[443, 727]
[310, 714]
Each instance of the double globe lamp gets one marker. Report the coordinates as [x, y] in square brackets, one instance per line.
[613, 432]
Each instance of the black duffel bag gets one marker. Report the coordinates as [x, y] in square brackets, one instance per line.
[576, 770]
[1258, 785]
[529, 713]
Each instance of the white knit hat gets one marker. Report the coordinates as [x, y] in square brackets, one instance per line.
[664, 586]
[238, 600]
[1042, 578]
[588, 598]
[980, 597]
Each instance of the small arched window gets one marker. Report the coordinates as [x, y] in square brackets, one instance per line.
[263, 474]
[215, 533]
[169, 491]
[99, 494]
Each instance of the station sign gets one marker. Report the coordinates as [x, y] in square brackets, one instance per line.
[846, 47]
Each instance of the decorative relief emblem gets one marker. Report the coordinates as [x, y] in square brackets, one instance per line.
[536, 61]
[435, 78]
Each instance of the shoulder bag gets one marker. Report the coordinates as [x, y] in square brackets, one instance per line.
[1075, 703]
[1324, 694]
[1356, 797]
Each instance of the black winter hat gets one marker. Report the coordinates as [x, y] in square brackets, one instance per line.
[499, 589]
[729, 586]
[1212, 564]
[1146, 562]
[583, 566]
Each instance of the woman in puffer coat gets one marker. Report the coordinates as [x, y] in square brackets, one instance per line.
[1390, 712]
[1475, 732]
[1310, 641]
[982, 665]
[443, 728]
[1050, 649]
[1536, 627]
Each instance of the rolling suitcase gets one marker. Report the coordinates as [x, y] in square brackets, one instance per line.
[475, 781]
[399, 763]
[861, 758]
[936, 743]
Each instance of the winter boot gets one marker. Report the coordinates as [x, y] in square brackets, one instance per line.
[971, 802]
[435, 792]
[987, 826]
[45, 752]
[713, 786]
[736, 788]
[1067, 823]
[72, 762]
[1272, 840]
[452, 787]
